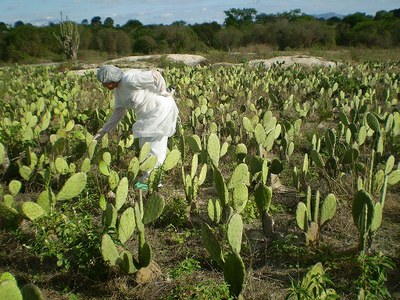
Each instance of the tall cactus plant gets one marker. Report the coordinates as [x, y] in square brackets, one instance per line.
[69, 39]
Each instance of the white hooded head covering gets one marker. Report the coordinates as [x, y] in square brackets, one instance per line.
[109, 73]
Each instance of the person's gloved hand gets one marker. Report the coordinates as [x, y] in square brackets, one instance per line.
[97, 137]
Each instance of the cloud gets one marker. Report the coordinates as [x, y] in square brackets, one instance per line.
[167, 15]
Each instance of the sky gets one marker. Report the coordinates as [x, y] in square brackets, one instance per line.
[41, 12]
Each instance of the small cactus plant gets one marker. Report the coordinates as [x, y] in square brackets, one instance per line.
[131, 219]
[231, 263]
[9, 289]
[310, 217]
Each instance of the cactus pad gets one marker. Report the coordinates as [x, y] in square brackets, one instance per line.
[154, 207]
[109, 250]
[234, 274]
[126, 225]
[73, 186]
[235, 232]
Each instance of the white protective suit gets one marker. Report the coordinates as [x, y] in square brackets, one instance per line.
[155, 109]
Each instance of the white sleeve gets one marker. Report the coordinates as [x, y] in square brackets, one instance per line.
[159, 83]
[117, 114]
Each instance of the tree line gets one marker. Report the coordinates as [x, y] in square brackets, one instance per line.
[241, 27]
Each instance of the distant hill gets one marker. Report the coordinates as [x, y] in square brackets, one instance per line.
[329, 15]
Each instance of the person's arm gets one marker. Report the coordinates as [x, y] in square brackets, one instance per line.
[117, 114]
[159, 83]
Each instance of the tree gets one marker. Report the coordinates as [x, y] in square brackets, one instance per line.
[123, 43]
[382, 14]
[265, 18]
[95, 21]
[18, 24]
[229, 38]
[179, 23]
[145, 44]
[180, 38]
[356, 18]
[396, 12]
[132, 24]
[109, 22]
[206, 32]
[238, 17]
[3, 27]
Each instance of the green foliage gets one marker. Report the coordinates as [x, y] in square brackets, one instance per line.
[373, 276]
[242, 120]
[202, 290]
[313, 286]
[185, 268]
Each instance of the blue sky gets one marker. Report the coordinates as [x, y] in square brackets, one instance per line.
[41, 12]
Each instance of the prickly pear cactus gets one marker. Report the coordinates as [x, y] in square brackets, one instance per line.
[31, 292]
[328, 209]
[363, 215]
[240, 196]
[110, 216]
[212, 245]
[126, 263]
[171, 160]
[194, 143]
[126, 225]
[8, 215]
[9, 290]
[109, 250]
[301, 216]
[310, 216]
[46, 200]
[234, 274]
[222, 189]
[121, 193]
[145, 255]
[14, 187]
[73, 186]
[240, 174]
[263, 196]
[235, 232]
[32, 211]
[213, 148]
[214, 210]
[373, 122]
[153, 208]
[2, 153]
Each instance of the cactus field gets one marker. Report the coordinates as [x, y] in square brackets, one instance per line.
[279, 183]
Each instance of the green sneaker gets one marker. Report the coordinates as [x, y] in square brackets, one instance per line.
[141, 186]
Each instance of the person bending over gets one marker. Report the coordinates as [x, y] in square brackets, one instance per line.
[156, 112]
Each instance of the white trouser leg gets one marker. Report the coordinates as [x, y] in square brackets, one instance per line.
[158, 147]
